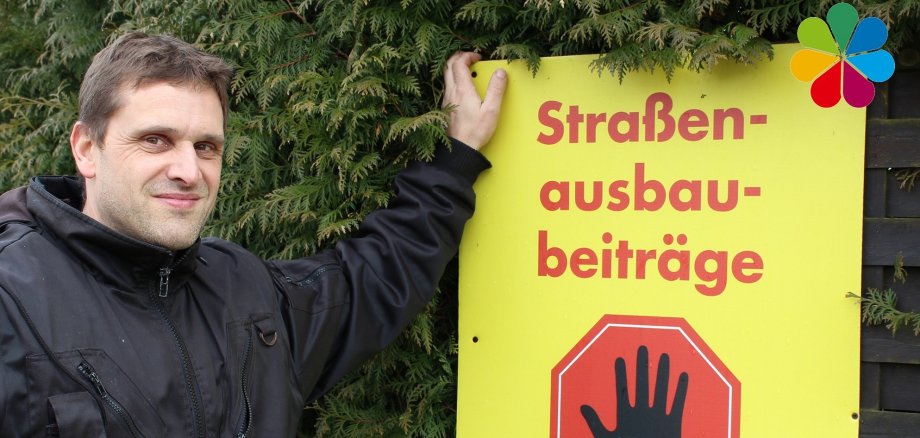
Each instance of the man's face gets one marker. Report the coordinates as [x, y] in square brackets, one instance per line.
[156, 175]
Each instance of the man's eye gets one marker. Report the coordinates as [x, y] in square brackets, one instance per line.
[208, 149]
[154, 143]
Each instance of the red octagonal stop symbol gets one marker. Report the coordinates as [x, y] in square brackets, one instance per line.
[682, 387]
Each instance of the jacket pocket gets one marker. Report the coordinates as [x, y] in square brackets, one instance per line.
[260, 378]
[115, 398]
[74, 415]
[241, 351]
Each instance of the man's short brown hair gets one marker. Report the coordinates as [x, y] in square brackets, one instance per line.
[136, 59]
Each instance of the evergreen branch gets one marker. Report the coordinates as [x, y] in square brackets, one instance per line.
[404, 126]
[879, 307]
[12, 103]
[293, 10]
[907, 178]
[776, 17]
[900, 274]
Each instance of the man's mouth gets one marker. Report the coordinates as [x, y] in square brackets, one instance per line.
[179, 200]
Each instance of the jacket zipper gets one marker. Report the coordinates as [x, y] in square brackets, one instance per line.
[164, 281]
[191, 388]
[87, 370]
[246, 415]
[164, 275]
[313, 276]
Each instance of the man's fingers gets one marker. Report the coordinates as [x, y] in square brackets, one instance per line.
[457, 77]
[466, 58]
[496, 90]
[473, 120]
[461, 68]
[453, 57]
[448, 83]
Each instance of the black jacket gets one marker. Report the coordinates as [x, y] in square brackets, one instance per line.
[211, 341]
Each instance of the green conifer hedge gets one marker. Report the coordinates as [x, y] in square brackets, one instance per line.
[332, 98]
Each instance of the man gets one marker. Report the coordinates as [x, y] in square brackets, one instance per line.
[117, 320]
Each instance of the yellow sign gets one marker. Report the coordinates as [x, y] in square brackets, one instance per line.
[669, 259]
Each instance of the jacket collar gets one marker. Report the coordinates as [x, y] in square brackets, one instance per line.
[55, 203]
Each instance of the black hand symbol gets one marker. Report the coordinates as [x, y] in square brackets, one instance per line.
[642, 421]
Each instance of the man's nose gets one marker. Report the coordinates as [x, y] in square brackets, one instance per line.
[183, 165]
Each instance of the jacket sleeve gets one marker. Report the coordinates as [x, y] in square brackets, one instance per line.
[345, 304]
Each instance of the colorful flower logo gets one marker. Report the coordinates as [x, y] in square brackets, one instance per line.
[842, 59]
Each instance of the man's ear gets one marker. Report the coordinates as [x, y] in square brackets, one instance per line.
[81, 146]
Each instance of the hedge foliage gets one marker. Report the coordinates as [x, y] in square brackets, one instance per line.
[332, 98]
